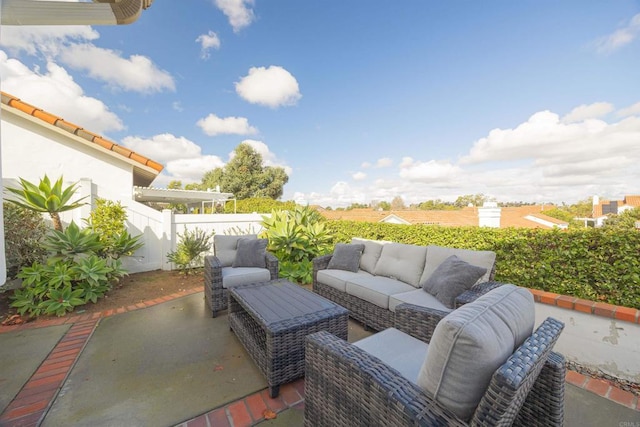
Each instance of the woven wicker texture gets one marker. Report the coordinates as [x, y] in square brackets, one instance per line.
[371, 315]
[272, 320]
[217, 296]
[345, 386]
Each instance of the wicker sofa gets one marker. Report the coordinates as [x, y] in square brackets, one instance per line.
[220, 272]
[481, 365]
[388, 274]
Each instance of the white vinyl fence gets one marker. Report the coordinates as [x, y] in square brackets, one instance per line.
[159, 229]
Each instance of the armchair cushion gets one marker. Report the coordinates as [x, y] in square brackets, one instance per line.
[346, 257]
[469, 344]
[400, 351]
[451, 278]
[251, 253]
[225, 247]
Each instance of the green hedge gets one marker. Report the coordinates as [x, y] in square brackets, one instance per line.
[591, 263]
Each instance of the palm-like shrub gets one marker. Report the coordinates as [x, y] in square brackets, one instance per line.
[45, 197]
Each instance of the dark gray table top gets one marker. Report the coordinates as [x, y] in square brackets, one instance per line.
[280, 300]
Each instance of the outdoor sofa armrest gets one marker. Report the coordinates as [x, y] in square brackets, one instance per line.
[475, 292]
[273, 265]
[346, 386]
[320, 263]
[418, 321]
[212, 272]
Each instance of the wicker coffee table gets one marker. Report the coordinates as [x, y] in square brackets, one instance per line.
[271, 320]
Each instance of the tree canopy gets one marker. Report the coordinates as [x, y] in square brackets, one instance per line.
[246, 177]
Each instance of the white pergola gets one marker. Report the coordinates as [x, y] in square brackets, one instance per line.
[187, 197]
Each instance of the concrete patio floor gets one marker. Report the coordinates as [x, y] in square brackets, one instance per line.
[168, 363]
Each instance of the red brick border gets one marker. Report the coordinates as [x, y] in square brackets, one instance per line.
[625, 314]
[35, 397]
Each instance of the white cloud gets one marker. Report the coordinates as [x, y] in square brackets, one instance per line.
[384, 162]
[620, 37]
[177, 105]
[541, 160]
[136, 74]
[632, 110]
[365, 165]
[182, 159]
[207, 42]
[239, 12]
[213, 125]
[164, 147]
[46, 39]
[431, 171]
[591, 111]
[192, 170]
[359, 176]
[56, 91]
[273, 86]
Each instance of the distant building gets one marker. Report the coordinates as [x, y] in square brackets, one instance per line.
[489, 215]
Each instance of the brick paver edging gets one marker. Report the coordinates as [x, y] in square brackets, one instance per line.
[625, 314]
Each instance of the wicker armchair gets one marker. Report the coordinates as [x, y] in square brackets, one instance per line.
[219, 274]
[346, 386]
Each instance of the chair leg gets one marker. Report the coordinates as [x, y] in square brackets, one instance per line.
[214, 313]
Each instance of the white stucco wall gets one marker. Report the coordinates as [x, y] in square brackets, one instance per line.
[597, 342]
[30, 150]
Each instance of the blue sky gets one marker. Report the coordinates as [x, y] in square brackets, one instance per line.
[534, 101]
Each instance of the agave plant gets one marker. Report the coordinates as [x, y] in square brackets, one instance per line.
[46, 198]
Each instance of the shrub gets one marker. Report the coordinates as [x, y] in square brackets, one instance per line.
[24, 230]
[295, 238]
[108, 221]
[189, 251]
[598, 264]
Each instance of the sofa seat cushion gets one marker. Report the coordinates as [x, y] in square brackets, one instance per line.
[469, 344]
[417, 297]
[376, 289]
[402, 262]
[338, 278]
[232, 276]
[398, 350]
[225, 247]
[437, 254]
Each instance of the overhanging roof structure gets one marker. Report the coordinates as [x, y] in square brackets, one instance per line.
[98, 12]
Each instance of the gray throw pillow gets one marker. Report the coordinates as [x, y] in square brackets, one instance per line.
[251, 253]
[451, 278]
[346, 257]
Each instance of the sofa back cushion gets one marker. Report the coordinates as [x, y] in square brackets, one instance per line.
[436, 255]
[225, 247]
[402, 262]
[471, 343]
[346, 257]
[451, 278]
[370, 254]
[251, 253]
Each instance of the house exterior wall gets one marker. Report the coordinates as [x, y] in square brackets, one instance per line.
[30, 150]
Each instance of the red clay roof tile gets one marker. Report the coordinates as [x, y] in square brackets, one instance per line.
[59, 122]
